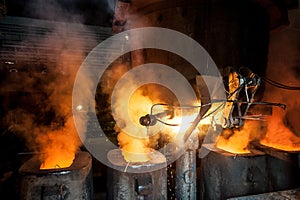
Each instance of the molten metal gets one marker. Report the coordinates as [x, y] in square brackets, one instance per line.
[57, 161]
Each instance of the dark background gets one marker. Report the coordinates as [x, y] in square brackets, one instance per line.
[93, 12]
[236, 33]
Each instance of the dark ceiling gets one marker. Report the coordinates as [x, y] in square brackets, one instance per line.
[93, 12]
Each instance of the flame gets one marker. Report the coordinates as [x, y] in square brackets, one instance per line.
[135, 145]
[236, 144]
[283, 53]
[272, 133]
[237, 140]
[134, 149]
[183, 120]
[234, 140]
[278, 135]
[58, 159]
[59, 146]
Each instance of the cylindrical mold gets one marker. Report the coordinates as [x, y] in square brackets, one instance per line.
[149, 185]
[136, 181]
[74, 182]
[186, 174]
[225, 175]
[185, 188]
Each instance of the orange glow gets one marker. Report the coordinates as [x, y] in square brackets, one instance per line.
[135, 145]
[237, 140]
[272, 133]
[235, 145]
[134, 149]
[59, 146]
[278, 135]
[184, 120]
[58, 159]
[234, 140]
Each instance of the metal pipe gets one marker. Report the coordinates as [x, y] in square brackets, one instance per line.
[150, 120]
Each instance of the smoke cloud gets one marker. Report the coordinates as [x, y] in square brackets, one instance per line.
[44, 118]
[283, 67]
[136, 144]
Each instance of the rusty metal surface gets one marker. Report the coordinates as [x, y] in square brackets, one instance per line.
[74, 182]
[279, 195]
[32, 166]
[149, 185]
[186, 174]
[224, 176]
[142, 180]
[287, 156]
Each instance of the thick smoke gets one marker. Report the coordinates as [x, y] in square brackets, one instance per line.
[136, 144]
[283, 67]
[45, 118]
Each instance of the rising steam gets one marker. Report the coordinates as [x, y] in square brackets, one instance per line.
[137, 144]
[283, 126]
[46, 122]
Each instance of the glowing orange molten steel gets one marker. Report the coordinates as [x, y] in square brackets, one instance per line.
[135, 145]
[59, 146]
[279, 136]
[272, 133]
[236, 140]
[58, 160]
